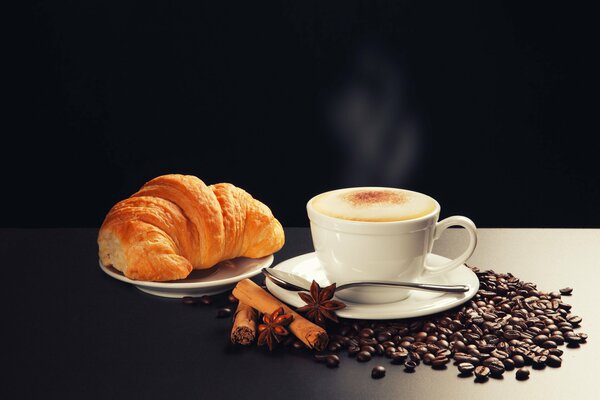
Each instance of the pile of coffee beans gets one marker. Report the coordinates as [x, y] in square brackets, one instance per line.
[508, 325]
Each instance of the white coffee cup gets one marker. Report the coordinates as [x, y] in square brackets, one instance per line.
[361, 242]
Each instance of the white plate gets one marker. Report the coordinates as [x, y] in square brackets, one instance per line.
[419, 303]
[217, 279]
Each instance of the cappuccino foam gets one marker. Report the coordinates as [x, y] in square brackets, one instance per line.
[374, 204]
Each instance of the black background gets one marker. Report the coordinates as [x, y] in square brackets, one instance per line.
[104, 96]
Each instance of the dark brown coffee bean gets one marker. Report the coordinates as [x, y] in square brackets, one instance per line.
[539, 362]
[379, 349]
[496, 368]
[440, 362]
[572, 338]
[334, 346]
[363, 356]
[332, 361]
[540, 339]
[384, 336]
[366, 333]
[549, 344]
[388, 343]
[409, 366]
[555, 352]
[399, 357]
[370, 349]
[512, 334]
[189, 300]
[583, 337]
[509, 364]
[378, 372]
[427, 358]
[482, 372]
[466, 368]
[353, 351]
[459, 346]
[567, 291]
[519, 360]
[223, 312]
[499, 354]
[368, 342]
[522, 374]
[461, 357]
[443, 352]
[389, 351]
[206, 300]
[489, 360]
[575, 320]
[553, 361]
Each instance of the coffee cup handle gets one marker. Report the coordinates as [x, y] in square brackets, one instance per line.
[440, 227]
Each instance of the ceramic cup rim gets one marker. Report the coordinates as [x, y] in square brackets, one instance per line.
[358, 226]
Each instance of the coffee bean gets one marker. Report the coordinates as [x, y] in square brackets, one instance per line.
[366, 333]
[189, 300]
[522, 374]
[555, 352]
[409, 366]
[519, 360]
[583, 337]
[332, 361]
[553, 361]
[223, 312]
[539, 362]
[466, 368]
[363, 356]
[378, 372]
[572, 338]
[368, 342]
[379, 349]
[509, 364]
[390, 351]
[512, 334]
[540, 339]
[499, 354]
[482, 372]
[549, 344]
[206, 300]
[399, 357]
[428, 358]
[439, 362]
[369, 349]
[575, 320]
[567, 291]
[384, 336]
[353, 351]
[496, 368]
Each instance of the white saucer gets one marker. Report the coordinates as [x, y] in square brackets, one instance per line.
[217, 279]
[419, 303]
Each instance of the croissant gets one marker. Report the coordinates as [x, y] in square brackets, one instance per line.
[176, 223]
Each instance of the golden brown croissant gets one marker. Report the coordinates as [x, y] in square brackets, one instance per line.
[175, 223]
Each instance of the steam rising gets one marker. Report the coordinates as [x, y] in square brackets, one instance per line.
[372, 124]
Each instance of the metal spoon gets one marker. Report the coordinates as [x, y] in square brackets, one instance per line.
[296, 283]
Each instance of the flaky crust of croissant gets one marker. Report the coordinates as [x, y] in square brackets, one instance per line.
[176, 223]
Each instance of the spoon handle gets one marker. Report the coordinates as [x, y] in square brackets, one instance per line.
[408, 285]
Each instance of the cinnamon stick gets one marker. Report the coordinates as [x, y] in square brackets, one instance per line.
[243, 330]
[253, 295]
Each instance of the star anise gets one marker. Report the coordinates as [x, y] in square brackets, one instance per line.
[273, 327]
[319, 304]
